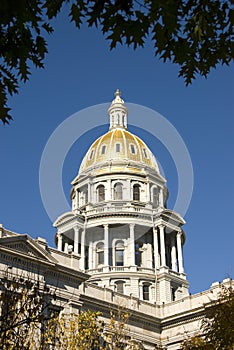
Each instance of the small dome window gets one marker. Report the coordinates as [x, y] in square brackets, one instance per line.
[136, 192]
[118, 191]
[119, 253]
[145, 153]
[103, 149]
[117, 147]
[133, 148]
[91, 154]
[100, 253]
[100, 193]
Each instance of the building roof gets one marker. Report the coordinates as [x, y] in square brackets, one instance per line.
[118, 144]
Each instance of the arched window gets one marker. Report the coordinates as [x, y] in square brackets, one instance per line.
[155, 197]
[119, 286]
[136, 192]
[100, 193]
[146, 291]
[119, 254]
[100, 253]
[118, 191]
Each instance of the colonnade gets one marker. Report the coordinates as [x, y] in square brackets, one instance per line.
[175, 249]
[160, 256]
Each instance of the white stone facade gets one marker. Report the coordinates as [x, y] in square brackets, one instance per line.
[119, 224]
[119, 245]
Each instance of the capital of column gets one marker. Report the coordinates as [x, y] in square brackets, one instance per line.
[179, 233]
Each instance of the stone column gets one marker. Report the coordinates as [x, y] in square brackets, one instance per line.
[106, 245]
[179, 250]
[161, 197]
[147, 191]
[156, 254]
[89, 199]
[108, 190]
[129, 190]
[173, 254]
[132, 244]
[91, 265]
[66, 247]
[60, 241]
[162, 244]
[82, 253]
[77, 199]
[76, 239]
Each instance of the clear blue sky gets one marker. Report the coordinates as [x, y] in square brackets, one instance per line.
[80, 71]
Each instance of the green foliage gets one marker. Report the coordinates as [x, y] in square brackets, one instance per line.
[21, 44]
[195, 35]
[196, 343]
[28, 322]
[23, 311]
[74, 332]
[217, 328]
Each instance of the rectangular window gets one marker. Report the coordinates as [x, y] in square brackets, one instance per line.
[101, 258]
[133, 150]
[103, 149]
[145, 153]
[91, 154]
[119, 257]
[117, 147]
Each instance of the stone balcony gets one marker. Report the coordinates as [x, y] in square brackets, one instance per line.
[120, 207]
[138, 269]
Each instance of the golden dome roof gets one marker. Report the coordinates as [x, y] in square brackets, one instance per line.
[118, 146]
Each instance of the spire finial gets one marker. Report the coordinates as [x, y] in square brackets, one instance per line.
[118, 112]
[117, 93]
[118, 98]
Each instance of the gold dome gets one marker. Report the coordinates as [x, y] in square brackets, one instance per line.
[118, 147]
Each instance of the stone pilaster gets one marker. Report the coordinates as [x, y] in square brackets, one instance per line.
[162, 245]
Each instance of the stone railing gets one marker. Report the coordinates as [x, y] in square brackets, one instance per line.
[126, 301]
[107, 269]
[119, 208]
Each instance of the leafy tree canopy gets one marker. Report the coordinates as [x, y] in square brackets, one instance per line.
[195, 35]
[217, 328]
[25, 307]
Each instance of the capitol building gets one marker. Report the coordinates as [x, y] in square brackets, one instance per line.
[119, 244]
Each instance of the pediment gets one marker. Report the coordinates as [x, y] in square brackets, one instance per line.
[27, 246]
[64, 218]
